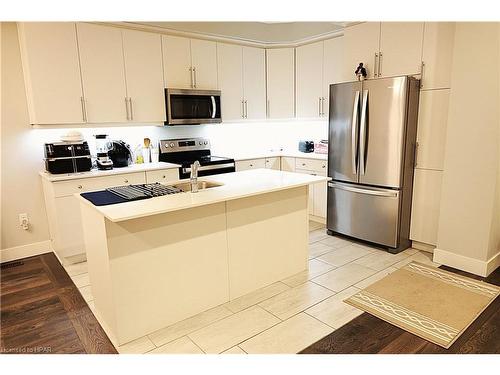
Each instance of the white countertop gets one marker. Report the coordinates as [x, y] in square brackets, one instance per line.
[98, 173]
[289, 153]
[236, 185]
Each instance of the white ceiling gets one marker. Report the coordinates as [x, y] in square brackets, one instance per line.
[262, 32]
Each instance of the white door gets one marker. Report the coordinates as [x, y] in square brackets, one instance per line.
[309, 80]
[144, 72]
[204, 60]
[431, 133]
[254, 82]
[425, 206]
[437, 54]
[333, 58]
[400, 48]
[280, 82]
[230, 73]
[52, 72]
[177, 62]
[103, 73]
[361, 44]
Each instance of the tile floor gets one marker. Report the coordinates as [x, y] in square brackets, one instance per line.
[284, 317]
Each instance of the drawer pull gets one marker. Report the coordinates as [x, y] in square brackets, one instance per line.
[163, 176]
[251, 165]
[126, 181]
[80, 187]
[323, 166]
[303, 164]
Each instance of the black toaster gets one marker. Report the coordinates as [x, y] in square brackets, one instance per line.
[306, 146]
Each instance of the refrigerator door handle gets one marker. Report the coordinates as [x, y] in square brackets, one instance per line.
[380, 193]
[354, 135]
[362, 134]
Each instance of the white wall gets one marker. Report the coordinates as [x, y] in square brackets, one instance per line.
[468, 223]
[22, 146]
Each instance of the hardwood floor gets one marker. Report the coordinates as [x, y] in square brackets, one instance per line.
[43, 312]
[367, 334]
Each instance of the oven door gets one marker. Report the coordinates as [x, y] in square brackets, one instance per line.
[208, 170]
[187, 107]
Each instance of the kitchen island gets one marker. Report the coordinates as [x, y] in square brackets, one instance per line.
[158, 261]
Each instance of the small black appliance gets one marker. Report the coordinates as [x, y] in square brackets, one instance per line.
[120, 154]
[67, 157]
[306, 146]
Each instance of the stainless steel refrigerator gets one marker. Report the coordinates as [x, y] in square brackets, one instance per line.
[372, 137]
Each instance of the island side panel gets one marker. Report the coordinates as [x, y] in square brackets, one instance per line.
[96, 248]
[165, 268]
[267, 239]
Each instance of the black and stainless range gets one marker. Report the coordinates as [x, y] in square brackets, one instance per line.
[185, 151]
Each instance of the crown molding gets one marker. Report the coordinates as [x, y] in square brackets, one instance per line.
[226, 39]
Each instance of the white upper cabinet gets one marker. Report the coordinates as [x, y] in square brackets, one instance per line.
[254, 82]
[189, 63]
[204, 60]
[431, 133]
[362, 44]
[280, 82]
[333, 55]
[230, 73]
[51, 69]
[437, 54]
[400, 48]
[309, 80]
[103, 73]
[144, 72]
[177, 68]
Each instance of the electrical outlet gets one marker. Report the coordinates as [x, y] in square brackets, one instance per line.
[24, 221]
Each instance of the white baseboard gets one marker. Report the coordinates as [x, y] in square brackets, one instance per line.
[475, 266]
[317, 219]
[423, 246]
[24, 251]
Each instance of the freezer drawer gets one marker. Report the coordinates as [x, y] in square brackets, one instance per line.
[370, 214]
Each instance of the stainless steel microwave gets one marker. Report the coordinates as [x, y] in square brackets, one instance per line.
[186, 107]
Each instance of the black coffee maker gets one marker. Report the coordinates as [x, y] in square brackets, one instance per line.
[120, 154]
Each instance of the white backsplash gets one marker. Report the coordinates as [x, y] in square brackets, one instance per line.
[228, 139]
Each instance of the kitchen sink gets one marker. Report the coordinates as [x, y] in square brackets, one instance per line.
[202, 185]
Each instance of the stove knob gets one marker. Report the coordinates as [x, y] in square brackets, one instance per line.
[166, 145]
[172, 144]
[200, 143]
[205, 143]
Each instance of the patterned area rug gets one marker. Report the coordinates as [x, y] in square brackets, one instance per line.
[431, 303]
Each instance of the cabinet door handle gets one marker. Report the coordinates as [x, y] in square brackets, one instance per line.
[375, 65]
[268, 108]
[246, 109]
[242, 109]
[191, 76]
[131, 110]
[84, 109]
[415, 156]
[323, 106]
[319, 106]
[126, 108]
[422, 71]
[380, 64]
[194, 73]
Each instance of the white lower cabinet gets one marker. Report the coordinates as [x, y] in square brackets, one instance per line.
[63, 209]
[317, 192]
[243, 165]
[425, 206]
[287, 164]
[162, 176]
[273, 163]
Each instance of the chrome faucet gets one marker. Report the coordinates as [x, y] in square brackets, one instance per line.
[194, 176]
